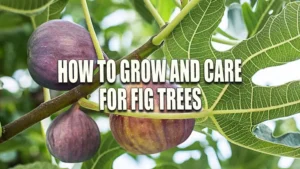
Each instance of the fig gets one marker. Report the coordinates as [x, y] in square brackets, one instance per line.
[149, 136]
[57, 40]
[73, 136]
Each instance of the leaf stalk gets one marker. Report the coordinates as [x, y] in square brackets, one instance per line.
[154, 13]
[158, 39]
[91, 30]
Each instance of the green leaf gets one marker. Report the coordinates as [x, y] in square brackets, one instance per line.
[166, 158]
[36, 165]
[168, 166]
[56, 9]
[284, 126]
[41, 18]
[0, 122]
[255, 19]
[265, 133]
[51, 12]
[26, 7]
[164, 8]
[238, 108]
[108, 152]
[10, 21]
[1, 87]
[142, 10]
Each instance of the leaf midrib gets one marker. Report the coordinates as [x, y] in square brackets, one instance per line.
[261, 19]
[214, 120]
[22, 11]
[195, 31]
[100, 156]
[246, 61]
[237, 111]
[268, 48]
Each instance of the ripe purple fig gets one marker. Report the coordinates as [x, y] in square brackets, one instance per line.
[149, 136]
[57, 40]
[73, 136]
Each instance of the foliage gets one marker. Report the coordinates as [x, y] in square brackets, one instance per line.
[109, 150]
[37, 165]
[238, 110]
[249, 104]
[255, 20]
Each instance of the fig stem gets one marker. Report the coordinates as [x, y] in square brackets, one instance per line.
[91, 30]
[75, 106]
[85, 103]
[160, 37]
[47, 95]
[33, 22]
[46, 109]
[154, 13]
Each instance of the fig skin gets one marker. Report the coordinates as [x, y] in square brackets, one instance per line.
[73, 136]
[149, 136]
[57, 40]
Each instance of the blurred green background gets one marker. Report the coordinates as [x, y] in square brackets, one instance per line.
[121, 26]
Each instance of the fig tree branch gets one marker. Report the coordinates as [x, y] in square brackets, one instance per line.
[48, 108]
[46, 92]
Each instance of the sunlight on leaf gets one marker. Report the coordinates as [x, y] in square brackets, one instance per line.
[239, 108]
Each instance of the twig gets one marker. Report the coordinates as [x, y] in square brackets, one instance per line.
[44, 123]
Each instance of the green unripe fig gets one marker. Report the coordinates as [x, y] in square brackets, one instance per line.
[73, 136]
[149, 136]
[57, 40]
